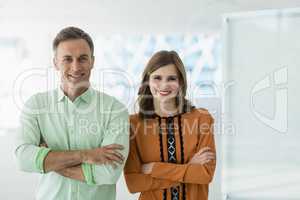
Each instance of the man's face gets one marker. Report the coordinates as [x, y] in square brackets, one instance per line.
[74, 60]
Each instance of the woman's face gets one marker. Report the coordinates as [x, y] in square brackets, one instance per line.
[164, 83]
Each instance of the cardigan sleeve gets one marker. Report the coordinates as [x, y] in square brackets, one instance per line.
[191, 173]
[137, 181]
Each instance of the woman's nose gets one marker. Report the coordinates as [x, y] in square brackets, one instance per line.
[164, 84]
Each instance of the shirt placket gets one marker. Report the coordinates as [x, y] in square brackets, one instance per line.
[72, 116]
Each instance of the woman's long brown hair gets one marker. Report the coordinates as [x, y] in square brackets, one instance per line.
[145, 98]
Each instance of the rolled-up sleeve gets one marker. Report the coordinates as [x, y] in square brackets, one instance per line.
[30, 157]
[117, 132]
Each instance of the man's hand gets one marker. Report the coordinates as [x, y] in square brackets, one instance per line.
[43, 145]
[75, 173]
[203, 156]
[104, 155]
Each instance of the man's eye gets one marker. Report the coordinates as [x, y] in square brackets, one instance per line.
[67, 59]
[84, 59]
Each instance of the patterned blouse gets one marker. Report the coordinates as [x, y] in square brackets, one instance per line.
[170, 142]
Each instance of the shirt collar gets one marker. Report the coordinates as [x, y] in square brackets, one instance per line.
[60, 94]
[86, 96]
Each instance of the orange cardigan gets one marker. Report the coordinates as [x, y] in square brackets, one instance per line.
[149, 143]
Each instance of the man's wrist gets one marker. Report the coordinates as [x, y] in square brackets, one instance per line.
[83, 154]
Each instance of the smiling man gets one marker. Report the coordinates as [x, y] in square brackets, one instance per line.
[75, 136]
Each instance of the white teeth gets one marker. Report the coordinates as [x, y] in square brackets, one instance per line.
[164, 92]
[75, 76]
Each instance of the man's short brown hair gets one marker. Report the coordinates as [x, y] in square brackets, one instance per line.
[71, 33]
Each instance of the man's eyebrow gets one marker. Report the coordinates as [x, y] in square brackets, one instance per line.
[67, 56]
[81, 56]
[84, 55]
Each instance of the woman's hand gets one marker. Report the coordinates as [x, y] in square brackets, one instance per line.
[203, 156]
[147, 168]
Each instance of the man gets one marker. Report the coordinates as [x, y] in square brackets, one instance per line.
[75, 136]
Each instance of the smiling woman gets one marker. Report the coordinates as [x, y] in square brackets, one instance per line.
[164, 82]
[172, 148]
[162, 77]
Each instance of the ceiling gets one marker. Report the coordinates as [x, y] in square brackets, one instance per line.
[131, 15]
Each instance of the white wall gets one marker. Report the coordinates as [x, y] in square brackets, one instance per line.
[262, 58]
[135, 16]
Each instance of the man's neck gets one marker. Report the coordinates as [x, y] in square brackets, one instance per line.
[73, 92]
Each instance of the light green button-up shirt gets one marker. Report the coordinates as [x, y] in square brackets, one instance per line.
[93, 120]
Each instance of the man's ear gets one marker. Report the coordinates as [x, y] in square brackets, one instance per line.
[93, 61]
[55, 63]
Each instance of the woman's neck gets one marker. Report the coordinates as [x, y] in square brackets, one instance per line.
[165, 108]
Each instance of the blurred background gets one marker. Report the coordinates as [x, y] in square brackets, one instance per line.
[241, 59]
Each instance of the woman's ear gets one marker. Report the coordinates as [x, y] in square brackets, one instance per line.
[141, 89]
[143, 86]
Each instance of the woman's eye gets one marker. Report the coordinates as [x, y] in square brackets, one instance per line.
[156, 78]
[172, 78]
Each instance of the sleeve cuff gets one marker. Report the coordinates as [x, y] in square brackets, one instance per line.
[169, 171]
[156, 170]
[41, 155]
[88, 173]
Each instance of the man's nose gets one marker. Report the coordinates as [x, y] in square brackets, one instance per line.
[76, 66]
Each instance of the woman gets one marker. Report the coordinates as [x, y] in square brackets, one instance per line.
[172, 151]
